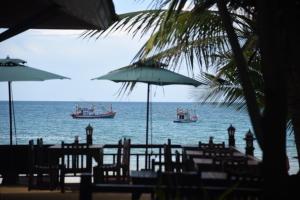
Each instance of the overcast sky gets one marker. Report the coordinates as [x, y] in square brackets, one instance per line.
[64, 53]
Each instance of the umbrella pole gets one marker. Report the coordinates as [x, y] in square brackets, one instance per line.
[147, 127]
[10, 112]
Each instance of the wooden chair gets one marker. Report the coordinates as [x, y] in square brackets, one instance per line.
[42, 175]
[187, 161]
[101, 173]
[120, 169]
[74, 160]
[178, 165]
[169, 165]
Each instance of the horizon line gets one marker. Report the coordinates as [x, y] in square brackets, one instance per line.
[87, 101]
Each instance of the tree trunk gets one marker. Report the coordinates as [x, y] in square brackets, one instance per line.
[295, 112]
[243, 72]
[294, 71]
[272, 40]
[294, 105]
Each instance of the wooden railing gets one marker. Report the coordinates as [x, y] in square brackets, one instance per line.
[138, 156]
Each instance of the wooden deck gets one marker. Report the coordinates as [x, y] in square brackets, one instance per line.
[21, 193]
[108, 153]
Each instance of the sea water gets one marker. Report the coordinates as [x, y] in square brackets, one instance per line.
[52, 122]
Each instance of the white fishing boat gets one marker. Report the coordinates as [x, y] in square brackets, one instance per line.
[185, 116]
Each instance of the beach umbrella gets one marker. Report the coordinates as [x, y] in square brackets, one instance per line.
[151, 73]
[15, 70]
[19, 16]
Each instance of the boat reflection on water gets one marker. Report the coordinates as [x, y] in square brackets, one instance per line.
[92, 113]
[186, 116]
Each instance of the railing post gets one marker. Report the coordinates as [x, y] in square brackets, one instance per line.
[231, 133]
[249, 143]
[153, 164]
[114, 158]
[89, 134]
[137, 162]
[146, 164]
[85, 187]
[211, 140]
[177, 158]
[160, 168]
[149, 160]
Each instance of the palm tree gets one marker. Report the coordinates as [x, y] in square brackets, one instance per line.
[212, 28]
[225, 85]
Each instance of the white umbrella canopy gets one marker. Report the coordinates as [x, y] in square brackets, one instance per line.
[149, 72]
[15, 70]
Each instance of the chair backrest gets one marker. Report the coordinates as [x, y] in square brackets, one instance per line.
[41, 153]
[168, 158]
[126, 157]
[39, 141]
[119, 153]
[75, 158]
[126, 152]
[37, 153]
[178, 163]
[31, 155]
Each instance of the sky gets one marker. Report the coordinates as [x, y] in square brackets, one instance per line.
[66, 53]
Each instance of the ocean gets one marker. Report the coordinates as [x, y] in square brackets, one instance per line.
[52, 122]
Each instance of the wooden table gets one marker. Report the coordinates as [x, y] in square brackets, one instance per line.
[205, 162]
[214, 175]
[209, 161]
[144, 177]
[199, 153]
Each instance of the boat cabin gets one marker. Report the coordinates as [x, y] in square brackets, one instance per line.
[185, 116]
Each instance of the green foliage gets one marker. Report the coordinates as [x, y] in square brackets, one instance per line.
[192, 32]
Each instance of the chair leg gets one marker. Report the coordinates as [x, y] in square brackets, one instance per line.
[39, 178]
[118, 175]
[30, 181]
[106, 176]
[102, 175]
[98, 175]
[62, 181]
[53, 178]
